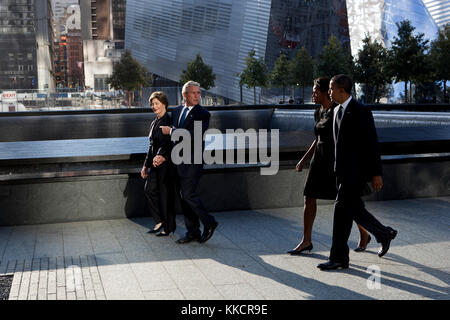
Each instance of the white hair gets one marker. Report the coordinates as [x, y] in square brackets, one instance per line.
[188, 84]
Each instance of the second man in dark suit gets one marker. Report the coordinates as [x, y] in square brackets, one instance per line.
[357, 161]
[185, 117]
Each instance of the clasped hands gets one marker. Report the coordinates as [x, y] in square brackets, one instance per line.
[157, 161]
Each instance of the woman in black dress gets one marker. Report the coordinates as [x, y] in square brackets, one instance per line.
[158, 169]
[321, 180]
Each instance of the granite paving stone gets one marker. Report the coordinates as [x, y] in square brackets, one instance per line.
[245, 259]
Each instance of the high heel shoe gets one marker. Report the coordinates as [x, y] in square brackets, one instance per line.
[361, 249]
[156, 230]
[297, 252]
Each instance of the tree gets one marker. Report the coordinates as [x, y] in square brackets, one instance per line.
[199, 72]
[303, 67]
[334, 59]
[406, 58]
[370, 70]
[129, 75]
[281, 75]
[440, 57]
[255, 74]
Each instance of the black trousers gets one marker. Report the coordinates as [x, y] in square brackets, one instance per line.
[349, 207]
[192, 206]
[159, 189]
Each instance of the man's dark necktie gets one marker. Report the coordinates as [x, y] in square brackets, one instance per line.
[338, 121]
[183, 117]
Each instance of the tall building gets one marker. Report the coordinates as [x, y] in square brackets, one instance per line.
[60, 61]
[118, 8]
[379, 17]
[439, 10]
[75, 73]
[294, 24]
[26, 44]
[168, 35]
[68, 45]
[102, 32]
[97, 19]
[59, 7]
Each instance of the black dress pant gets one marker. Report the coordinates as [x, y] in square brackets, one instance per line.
[192, 206]
[159, 189]
[349, 207]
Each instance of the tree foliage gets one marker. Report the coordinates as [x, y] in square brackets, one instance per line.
[407, 59]
[303, 69]
[334, 59]
[370, 70]
[129, 75]
[440, 57]
[255, 74]
[281, 75]
[199, 72]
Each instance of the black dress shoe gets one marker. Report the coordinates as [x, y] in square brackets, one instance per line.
[331, 265]
[361, 249]
[208, 232]
[188, 238]
[385, 245]
[156, 230]
[297, 252]
[163, 234]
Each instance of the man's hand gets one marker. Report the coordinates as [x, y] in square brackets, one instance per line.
[377, 183]
[165, 129]
[158, 160]
[144, 172]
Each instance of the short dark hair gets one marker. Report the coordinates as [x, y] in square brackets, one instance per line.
[323, 83]
[343, 81]
[161, 96]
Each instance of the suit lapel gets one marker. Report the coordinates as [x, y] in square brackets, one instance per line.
[151, 127]
[190, 117]
[346, 117]
[176, 115]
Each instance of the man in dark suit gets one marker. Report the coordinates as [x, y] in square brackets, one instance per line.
[357, 161]
[185, 117]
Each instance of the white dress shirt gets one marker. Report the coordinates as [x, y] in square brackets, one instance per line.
[181, 113]
[336, 109]
[189, 110]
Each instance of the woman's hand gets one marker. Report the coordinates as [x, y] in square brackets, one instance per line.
[158, 160]
[300, 165]
[144, 172]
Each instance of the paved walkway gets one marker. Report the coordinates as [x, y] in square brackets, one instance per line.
[245, 259]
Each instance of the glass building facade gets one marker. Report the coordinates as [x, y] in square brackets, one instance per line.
[379, 17]
[26, 44]
[166, 35]
[439, 10]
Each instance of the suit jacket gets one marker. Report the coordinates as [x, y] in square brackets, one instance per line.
[160, 144]
[357, 152]
[198, 113]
